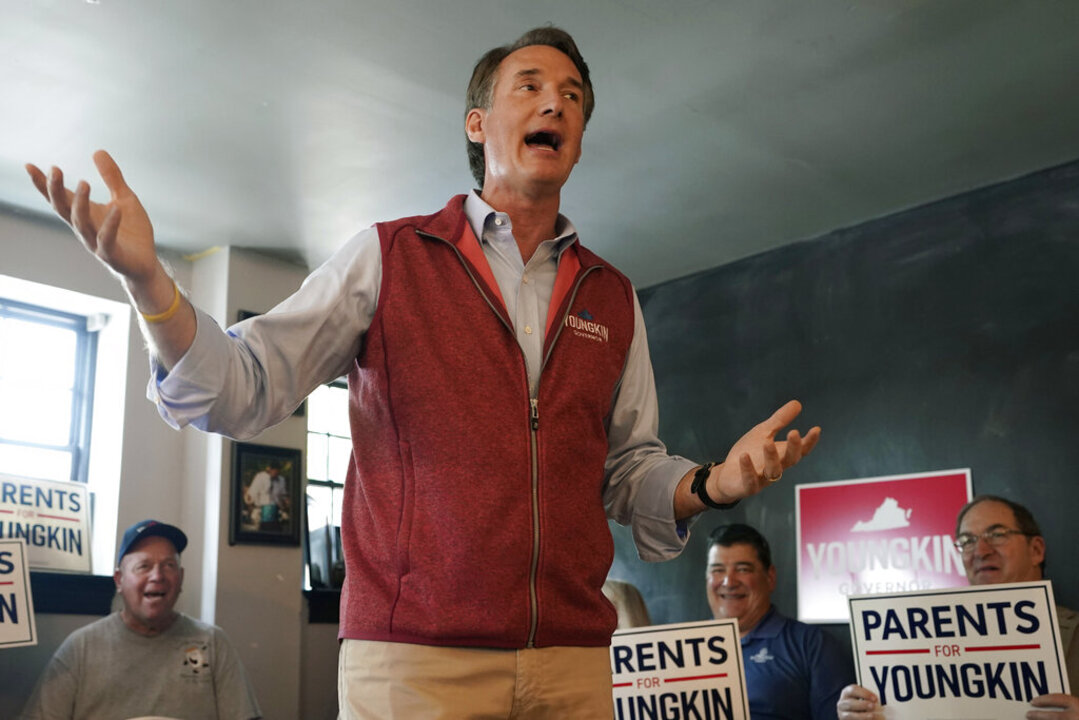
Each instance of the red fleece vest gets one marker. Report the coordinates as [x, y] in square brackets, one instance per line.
[473, 517]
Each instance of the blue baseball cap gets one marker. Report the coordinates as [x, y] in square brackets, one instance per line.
[150, 528]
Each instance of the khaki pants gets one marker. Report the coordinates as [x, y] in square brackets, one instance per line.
[384, 681]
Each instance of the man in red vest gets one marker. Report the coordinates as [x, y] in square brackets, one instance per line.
[502, 408]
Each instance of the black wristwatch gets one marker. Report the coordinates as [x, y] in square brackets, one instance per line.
[699, 487]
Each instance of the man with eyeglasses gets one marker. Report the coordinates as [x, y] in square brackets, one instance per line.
[1000, 542]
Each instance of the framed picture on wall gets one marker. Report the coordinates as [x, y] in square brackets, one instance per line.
[264, 504]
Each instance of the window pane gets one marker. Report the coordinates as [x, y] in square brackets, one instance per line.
[338, 498]
[316, 456]
[337, 462]
[319, 506]
[328, 450]
[318, 410]
[327, 410]
[319, 534]
[52, 361]
[34, 413]
[35, 462]
[339, 412]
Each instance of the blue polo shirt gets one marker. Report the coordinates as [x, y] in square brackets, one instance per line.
[794, 671]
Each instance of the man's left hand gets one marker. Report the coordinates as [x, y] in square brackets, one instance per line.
[757, 460]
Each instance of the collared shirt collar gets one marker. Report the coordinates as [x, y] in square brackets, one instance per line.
[768, 627]
[483, 219]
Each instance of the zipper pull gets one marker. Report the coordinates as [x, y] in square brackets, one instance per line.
[535, 413]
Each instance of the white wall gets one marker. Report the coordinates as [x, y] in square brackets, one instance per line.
[253, 592]
[258, 595]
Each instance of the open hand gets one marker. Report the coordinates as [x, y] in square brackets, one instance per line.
[118, 233]
[757, 460]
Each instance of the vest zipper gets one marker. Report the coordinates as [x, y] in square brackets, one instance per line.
[534, 568]
[533, 422]
[534, 402]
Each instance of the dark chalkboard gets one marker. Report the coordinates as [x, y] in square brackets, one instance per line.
[942, 337]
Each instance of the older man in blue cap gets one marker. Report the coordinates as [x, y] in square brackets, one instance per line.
[146, 659]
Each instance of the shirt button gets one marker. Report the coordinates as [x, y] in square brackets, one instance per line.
[524, 279]
[528, 329]
[498, 221]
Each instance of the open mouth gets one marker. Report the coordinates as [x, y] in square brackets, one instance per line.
[544, 138]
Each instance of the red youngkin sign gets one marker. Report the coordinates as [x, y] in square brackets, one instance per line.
[876, 535]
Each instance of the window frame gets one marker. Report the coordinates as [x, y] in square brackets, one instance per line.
[327, 584]
[82, 388]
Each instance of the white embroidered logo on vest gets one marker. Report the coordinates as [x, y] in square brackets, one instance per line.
[584, 325]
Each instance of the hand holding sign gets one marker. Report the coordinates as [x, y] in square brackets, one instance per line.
[858, 703]
[991, 651]
[1060, 707]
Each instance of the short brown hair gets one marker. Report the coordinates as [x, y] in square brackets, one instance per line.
[1023, 518]
[481, 86]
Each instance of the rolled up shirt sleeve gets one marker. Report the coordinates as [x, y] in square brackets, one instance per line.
[241, 381]
[640, 475]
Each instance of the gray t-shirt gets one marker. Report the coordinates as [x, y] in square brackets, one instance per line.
[105, 670]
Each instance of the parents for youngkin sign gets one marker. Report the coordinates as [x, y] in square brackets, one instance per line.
[52, 518]
[683, 671]
[970, 652]
[17, 625]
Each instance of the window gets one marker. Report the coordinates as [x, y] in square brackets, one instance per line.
[329, 445]
[63, 391]
[47, 368]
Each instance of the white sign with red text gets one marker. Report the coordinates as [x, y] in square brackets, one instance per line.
[875, 535]
[683, 670]
[17, 626]
[52, 518]
[974, 652]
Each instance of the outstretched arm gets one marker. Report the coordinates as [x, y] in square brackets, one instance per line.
[753, 463]
[121, 236]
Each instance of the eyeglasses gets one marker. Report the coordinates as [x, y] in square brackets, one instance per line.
[966, 541]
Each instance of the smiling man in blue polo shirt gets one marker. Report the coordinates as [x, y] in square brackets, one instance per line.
[794, 671]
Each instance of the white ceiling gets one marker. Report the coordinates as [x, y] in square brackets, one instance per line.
[722, 128]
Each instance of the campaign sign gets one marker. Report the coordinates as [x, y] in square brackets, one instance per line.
[973, 652]
[684, 671]
[52, 518]
[16, 606]
[875, 535]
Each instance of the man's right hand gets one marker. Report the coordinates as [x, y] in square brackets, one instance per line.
[120, 235]
[858, 703]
